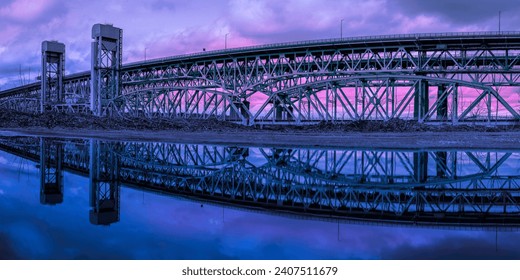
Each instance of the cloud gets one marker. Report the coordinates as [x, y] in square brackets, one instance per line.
[298, 20]
[479, 246]
[171, 27]
[26, 10]
[460, 13]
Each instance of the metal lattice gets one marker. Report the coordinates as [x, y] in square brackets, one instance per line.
[448, 77]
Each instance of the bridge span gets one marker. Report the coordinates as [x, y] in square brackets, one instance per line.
[441, 77]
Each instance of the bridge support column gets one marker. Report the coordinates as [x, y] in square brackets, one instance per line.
[283, 113]
[104, 185]
[455, 105]
[441, 163]
[420, 166]
[53, 71]
[442, 106]
[106, 69]
[241, 114]
[421, 100]
[51, 172]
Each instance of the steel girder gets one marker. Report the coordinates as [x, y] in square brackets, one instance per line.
[484, 68]
[442, 77]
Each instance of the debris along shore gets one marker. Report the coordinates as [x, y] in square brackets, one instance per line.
[50, 120]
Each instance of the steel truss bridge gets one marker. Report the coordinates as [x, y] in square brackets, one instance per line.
[446, 77]
[468, 189]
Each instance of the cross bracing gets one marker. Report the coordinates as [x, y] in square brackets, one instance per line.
[429, 187]
[447, 77]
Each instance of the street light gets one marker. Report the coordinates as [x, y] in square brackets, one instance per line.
[225, 41]
[145, 54]
[499, 16]
[341, 29]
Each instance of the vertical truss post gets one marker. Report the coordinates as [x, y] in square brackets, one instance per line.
[390, 109]
[51, 172]
[104, 185]
[105, 84]
[421, 99]
[53, 71]
[488, 105]
[362, 98]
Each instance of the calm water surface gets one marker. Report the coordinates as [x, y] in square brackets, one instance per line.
[89, 199]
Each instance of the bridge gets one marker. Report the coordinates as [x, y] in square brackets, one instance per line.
[434, 188]
[431, 78]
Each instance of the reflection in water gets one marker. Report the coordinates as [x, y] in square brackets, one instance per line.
[415, 188]
[51, 172]
[441, 188]
[104, 184]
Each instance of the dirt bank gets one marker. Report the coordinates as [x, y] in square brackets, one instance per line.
[397, 134]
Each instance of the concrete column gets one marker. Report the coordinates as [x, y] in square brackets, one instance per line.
[441, 163]
[421, 100]
[442, 107]
[420, 166]
[455, 105]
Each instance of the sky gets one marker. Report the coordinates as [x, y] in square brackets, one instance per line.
[159, 28]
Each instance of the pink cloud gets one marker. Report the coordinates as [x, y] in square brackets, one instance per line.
[25, 10]
[8, 34]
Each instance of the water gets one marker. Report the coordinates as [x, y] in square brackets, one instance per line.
[90, 199]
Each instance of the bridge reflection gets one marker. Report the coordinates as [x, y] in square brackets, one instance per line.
[446, 188]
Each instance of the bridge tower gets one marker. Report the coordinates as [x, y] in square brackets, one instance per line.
[51, 172]
[106, 69]
[53, 71]
[104, 185]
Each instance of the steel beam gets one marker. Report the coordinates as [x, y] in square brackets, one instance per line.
[375, 78]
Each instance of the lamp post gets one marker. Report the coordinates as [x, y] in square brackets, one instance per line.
[499, 17]
[341, 29]
[225, 41]
[145, 54]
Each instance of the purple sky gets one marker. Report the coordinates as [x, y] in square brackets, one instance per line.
[171, 27]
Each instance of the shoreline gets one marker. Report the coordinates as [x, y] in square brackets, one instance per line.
[376, 140]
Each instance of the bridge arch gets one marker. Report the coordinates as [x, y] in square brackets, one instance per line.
[343, 96]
